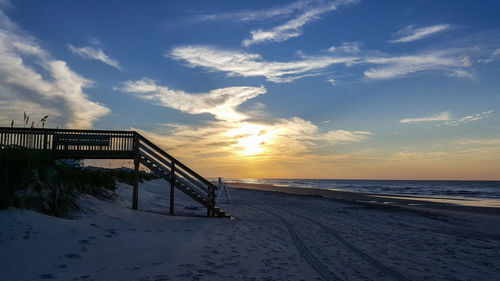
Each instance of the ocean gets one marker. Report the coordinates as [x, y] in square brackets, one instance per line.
[431, 188]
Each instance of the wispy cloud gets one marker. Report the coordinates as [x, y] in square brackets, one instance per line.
[468, 118]
[446, 119]
[492, 57]
[257, 15]
[30, 79]
[293, 28]
[343, 136]
[94, 53]
[397, 66]
[410, 33]
[234, 132]
[346, 47]
[443, 116]
[332, 81]
[449, 61]
[276, 140]
[478, 142]
[248, 64]
[222, 103]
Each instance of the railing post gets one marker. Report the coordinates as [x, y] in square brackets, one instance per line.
[172, 186]
[213, 201]
[135, 195]
[211, 198]
[209, 208]
[45, 140]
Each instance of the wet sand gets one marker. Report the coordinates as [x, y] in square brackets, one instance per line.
[422, 203]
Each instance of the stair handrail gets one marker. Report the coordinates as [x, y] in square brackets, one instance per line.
[158, 161]
[177, 162]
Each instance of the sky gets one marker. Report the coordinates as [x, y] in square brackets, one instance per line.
[345, 89]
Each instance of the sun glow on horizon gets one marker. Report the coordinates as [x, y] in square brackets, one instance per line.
[253, 139]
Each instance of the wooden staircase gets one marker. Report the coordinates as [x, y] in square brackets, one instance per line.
[179, 176]
[106, 144]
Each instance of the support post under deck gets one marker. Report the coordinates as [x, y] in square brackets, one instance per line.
[172, 187]
[135, 198]
[135, 195]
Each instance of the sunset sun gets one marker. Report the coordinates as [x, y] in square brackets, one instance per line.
[252, 139]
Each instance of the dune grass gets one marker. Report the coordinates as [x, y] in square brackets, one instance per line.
[36, 180]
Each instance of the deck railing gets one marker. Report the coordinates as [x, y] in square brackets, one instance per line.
[70, 143]
[178, 170]
[104, 144]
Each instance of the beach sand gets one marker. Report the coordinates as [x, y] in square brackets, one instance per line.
[293, 234]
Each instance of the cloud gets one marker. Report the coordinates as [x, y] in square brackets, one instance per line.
[248, 64]
[235, 132]
[460, 73]
[293, 28]
[346, 47]
[468, 118]
[245, 64]
[492, 57]
[412, 34]
[465, 61]
[443, 116]
[446, 119]
[30, 79]
[332, 81]
[222, 103]
[478, 142]
[257, 15]
[343, 136]
[399, 66]
[94, 54]
[275, 140]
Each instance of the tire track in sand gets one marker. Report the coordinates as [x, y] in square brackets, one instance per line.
[375, 263]
[322, 270]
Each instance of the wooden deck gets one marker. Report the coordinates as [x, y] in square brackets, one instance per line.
[104, 144]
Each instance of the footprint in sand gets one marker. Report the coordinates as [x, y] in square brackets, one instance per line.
[47, 276]
[161, 277]
[73, 256]
[101, 269]
[186, 274]
[206, 271]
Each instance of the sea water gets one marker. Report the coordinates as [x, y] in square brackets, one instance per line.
[441, 188]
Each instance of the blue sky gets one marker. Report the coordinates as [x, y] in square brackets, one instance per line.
[327, 89]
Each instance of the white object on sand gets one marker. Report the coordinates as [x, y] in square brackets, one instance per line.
[223, 193]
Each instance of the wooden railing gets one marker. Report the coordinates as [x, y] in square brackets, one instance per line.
[104, 144]
[71, 143]
[178, 170]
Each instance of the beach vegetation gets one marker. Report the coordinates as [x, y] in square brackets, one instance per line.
[36, 180]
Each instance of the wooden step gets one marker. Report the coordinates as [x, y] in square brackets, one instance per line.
[165, 174]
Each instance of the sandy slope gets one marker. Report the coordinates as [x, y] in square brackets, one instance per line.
[275, 236]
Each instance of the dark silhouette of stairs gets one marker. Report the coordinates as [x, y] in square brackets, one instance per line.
[182, 177]
[107, 144]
